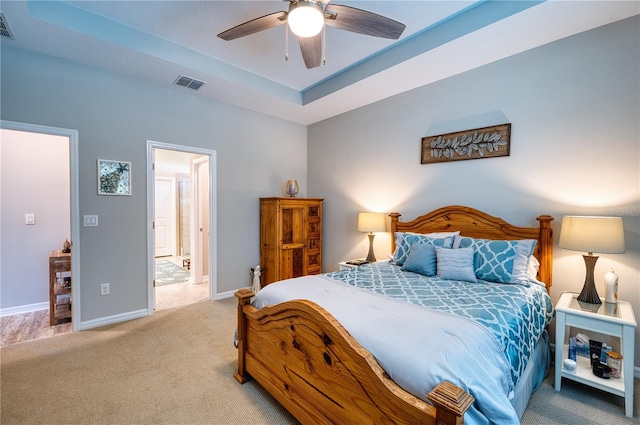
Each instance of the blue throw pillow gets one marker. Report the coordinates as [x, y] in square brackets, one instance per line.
[501, 261]
[421, 259]
[404, 241]
[455, 264]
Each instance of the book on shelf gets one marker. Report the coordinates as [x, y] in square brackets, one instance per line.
[63, 299]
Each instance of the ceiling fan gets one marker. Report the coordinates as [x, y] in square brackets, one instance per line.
[307, 18]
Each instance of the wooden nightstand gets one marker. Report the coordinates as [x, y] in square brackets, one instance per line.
[610, 319]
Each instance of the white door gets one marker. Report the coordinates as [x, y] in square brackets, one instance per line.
[165, 219]
[201, 232]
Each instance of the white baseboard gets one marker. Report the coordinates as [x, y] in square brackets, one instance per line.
[228, 294]
[110, 320]
[21, 309]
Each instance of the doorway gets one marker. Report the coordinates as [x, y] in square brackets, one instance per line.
[46, 207]
[181, 225]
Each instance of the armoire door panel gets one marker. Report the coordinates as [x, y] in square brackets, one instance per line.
[292, 264]
[292, 225]
[314, 244]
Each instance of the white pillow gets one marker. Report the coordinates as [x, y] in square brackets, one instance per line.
[532, 268]
[455, 264]
[435, 234]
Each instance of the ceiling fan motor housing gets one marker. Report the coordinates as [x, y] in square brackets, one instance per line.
[305, 18]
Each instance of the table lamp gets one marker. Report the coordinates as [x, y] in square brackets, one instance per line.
[371, 222]
[603, 235]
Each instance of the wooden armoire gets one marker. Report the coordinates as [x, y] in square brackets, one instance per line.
[290, 238]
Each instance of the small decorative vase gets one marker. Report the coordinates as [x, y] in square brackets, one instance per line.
[292, 188]
[611, 286]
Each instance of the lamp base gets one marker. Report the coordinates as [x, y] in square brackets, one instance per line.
[371, 258]
[589, 293]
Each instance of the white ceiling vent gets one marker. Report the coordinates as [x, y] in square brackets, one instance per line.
[4, 27]
[189, 82]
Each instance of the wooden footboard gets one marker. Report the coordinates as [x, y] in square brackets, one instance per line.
[305, 359]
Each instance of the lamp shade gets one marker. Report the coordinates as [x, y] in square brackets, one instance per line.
[371, 222]
[604, 235]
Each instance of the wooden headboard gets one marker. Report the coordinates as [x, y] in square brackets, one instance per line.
[476, 224]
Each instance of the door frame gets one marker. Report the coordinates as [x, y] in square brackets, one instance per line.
[72, 135]
[213, 229]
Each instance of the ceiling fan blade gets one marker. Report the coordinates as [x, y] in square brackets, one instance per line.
[311, 48]
[363, 22]
[255, 25]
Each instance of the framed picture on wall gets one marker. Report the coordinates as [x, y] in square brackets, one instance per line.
[114, 177]
[478, 143]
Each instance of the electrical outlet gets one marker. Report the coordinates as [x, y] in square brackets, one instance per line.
[105, 288]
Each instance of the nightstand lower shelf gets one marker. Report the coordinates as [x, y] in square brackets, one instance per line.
[585, 375]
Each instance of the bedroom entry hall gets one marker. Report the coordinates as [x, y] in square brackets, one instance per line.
[38, 187]
[180, 223]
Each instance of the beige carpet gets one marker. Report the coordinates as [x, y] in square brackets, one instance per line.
[176, 367]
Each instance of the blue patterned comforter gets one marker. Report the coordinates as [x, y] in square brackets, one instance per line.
[424, 331]
[516, 315]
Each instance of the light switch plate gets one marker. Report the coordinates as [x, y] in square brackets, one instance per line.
[90, 220]
[30, 219]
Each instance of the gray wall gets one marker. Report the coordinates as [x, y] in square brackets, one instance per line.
[115, 116]
[574, 108]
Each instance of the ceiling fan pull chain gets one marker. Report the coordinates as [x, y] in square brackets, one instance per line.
[324, 44]
[286, 42]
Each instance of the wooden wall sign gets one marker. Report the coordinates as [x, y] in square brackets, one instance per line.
[485, 142]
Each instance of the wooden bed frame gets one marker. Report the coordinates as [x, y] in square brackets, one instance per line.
[305, 359]
[476, 224]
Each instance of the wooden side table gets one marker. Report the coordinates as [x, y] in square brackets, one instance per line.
[616, 320]
[344, 265]
[59, 290]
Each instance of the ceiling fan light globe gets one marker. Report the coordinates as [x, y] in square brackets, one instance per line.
[305, 18]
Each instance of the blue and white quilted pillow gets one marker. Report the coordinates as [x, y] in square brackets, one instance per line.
[455, 264]
[501, 261]
[404, 240]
